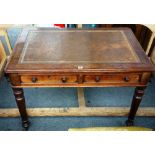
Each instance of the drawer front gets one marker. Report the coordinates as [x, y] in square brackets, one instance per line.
[36, 79]
[85, 80]
[116, 78]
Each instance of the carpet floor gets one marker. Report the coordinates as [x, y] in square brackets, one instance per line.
[67, 97]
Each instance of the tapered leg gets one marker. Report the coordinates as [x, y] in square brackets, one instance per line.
[20, 100]
[139, 92]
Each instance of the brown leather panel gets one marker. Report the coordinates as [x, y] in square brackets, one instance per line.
[70, 46]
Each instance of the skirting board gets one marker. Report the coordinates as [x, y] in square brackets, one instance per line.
[82, 111]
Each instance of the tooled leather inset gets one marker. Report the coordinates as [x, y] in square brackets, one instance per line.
[78, 46]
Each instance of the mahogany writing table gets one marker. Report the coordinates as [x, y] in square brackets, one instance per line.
[78, 58]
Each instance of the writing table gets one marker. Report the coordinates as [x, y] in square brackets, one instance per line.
[78, 58]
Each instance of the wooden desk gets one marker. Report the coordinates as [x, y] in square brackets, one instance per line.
[78, 58]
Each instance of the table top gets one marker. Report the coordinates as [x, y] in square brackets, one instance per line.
[78, 50]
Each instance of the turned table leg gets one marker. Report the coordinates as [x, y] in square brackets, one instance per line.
[20, 100]
[139, 92]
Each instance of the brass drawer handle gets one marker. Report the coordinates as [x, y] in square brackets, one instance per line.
[34, 79]
[64, 79]
[126, 79]
[97, 78]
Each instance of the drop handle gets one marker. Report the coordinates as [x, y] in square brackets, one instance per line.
[34, 79]
[126, 79]
[64, 79]
[97, 78]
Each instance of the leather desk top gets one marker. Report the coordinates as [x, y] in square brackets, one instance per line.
[78, 50]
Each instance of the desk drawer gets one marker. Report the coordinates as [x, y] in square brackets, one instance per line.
[116, 78]
[34, 79]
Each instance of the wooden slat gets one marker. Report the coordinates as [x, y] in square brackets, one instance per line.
[151, 27]
[4, 33]
[131, 128]
[2, 65]
[149, 45]
[79, 25]
[95, 111]
[81, 98]
[152, 49]
[8, 41]
[7, 26]
[2, 59]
